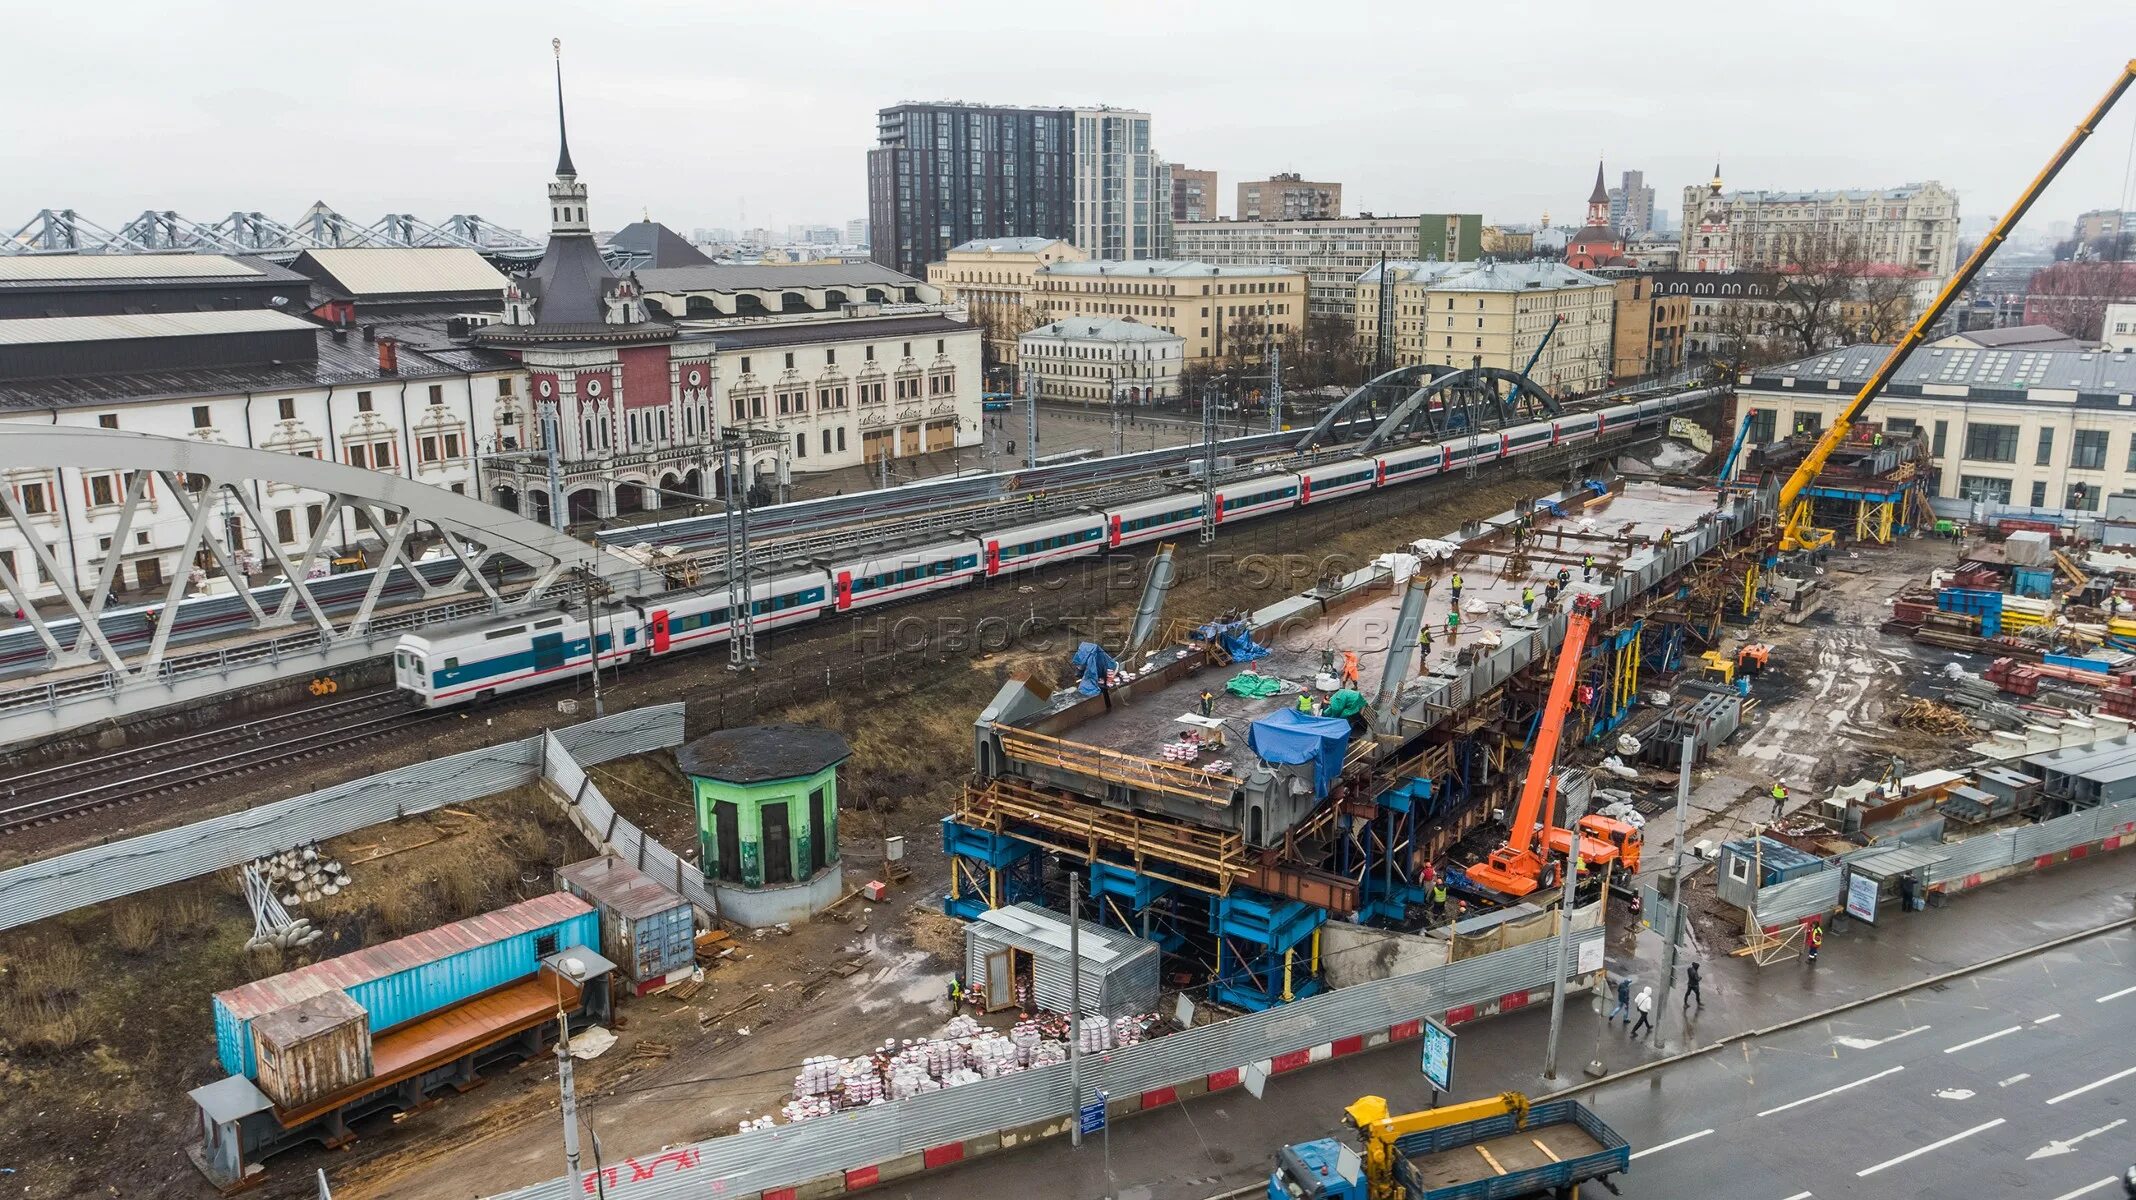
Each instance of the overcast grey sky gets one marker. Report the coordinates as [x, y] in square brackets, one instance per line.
[702, 112]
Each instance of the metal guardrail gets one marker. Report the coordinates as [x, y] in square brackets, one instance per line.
[49, 887]
[786, 1155]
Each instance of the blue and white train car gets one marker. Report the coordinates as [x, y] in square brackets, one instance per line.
[1148, 520]
[1332, 481]
[477, 660]
[935, 567]
[1254, 497]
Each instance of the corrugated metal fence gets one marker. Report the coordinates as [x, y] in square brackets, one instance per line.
[1808, 895]
[786, 1155]
[38, 890]
[2010, 847]
[605, 827]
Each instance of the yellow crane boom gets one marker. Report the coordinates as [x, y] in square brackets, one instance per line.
[1797, 533]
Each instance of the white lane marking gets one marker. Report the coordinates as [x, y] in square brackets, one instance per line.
[2069, 1145]
[1955, 1094]
[2114, 995]
[1855, 1043]
[1800, 1196]
[2097, 1084]
[2019, 1078]
[1910, 1155]
[2047, 1018]
[1832, 1091]
[1689, 1137]
[1976, 1041]
[2086, 1190]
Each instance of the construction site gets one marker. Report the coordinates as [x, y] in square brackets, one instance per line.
[1465, 704]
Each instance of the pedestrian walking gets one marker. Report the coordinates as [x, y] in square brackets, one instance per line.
[1527, 599]
[1907, 890]
[1691, 992]
[1453, 586]
[1423, 648]
[1438, 899]
[1587, 562]
[1208, 702]
[1813, 941]
[1779, 799]
[1453, 625]
[1643, 1004]
[956, 993]
[1624, 1000]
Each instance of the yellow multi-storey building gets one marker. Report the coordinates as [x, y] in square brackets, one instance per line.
[1494, 314]
[1220, 312]
[993, 277]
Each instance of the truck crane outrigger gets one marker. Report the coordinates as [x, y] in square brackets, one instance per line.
[1797, 533]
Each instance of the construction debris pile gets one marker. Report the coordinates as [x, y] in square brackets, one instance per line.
[964, 1052]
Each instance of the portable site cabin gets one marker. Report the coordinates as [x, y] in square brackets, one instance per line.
[645, 927]
[1024, 941]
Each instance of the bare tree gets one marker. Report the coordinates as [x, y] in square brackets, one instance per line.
[2072, 296]
[1883, 306]
[1818, 277]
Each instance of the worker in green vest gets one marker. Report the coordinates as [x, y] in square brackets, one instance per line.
[1527, 599]
[1305, 703]
[1438, 899]
[1779, 800]
[1423, 646]
[1454, 586]
[1587, 568]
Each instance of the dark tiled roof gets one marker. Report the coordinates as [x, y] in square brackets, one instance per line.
[749, 337]
[661, 246]
[762, 753]
[261, 273]
[572, 283]
[350, 360]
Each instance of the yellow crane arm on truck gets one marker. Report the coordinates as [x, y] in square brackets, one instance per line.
[1369, 1116]
[1797, 533]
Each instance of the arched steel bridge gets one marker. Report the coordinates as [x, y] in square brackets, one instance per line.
[1433, 402]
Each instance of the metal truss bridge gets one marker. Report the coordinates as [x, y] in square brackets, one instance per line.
[438, 556]
[65, 231]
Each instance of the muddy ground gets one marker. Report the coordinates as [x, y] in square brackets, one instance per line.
[106, 1014]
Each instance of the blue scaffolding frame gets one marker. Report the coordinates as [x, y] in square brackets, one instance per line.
[989, 870]
[1259, 939]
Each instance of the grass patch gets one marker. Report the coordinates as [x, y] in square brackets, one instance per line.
[51, 970]
[136, 927]
[46, 1028]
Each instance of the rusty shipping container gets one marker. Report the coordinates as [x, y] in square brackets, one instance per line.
[312, 1049]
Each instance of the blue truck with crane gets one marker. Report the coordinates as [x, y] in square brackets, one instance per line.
[1497, 1148]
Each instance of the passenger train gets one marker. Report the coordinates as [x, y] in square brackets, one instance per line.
[495, 655]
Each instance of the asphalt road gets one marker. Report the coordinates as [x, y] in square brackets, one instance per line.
[2015, 1081]
[1213, 1144]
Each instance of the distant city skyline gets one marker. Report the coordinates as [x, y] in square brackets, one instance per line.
[703, 135]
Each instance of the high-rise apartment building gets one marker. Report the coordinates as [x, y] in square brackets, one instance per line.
[1288, 198]
[1914, 226]
[945, 174]
[1631, 205]
[1123, 193]
[856, 232]
[1194, 194]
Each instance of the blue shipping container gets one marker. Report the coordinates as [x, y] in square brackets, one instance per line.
[2032, 581]
[411, 978]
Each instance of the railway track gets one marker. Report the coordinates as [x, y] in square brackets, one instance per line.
[183, 764]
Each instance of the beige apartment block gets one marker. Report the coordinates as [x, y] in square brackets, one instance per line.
[1495, 314]
[991, 277]
[1220, 312]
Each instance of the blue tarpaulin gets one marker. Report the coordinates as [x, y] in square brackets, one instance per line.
[1289, 736]
[1235, 638]
[1093, 662]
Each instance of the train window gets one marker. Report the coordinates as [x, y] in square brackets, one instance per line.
[498, 635]
[551, 623]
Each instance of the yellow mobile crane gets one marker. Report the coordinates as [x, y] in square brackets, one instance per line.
[1797, 532]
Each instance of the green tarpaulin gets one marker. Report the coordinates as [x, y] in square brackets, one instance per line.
[1249, 684]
